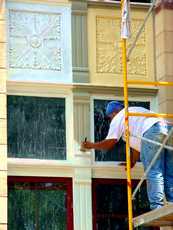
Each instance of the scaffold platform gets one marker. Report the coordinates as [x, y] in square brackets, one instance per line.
[158, 217]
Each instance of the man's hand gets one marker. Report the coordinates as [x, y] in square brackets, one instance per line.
[101, 145]
[86, 145]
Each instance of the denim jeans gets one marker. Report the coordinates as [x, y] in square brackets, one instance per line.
[160, 176]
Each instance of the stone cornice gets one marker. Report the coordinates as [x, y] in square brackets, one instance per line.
[164, 4]
[14, 87]
[117, 90]
[110, 3]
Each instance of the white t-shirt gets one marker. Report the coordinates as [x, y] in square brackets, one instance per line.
[137, 126]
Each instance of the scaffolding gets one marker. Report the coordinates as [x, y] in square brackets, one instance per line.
[153, 216]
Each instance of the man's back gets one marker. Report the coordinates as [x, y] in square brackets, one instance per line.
[138, 125]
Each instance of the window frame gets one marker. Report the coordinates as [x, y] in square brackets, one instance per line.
[17, 166]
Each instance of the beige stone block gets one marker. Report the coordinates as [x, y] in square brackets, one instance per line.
[167, 78]
[3, 106]
[168, 19]
[169, 63]
[165, 106]
[3, 55]
[3, 210]
[168, 40]
[3, 131]
[160, 66]
[159, 22]
[3, 77]
[160, 44]
[164, 64]
[163, 21]
[2, 31]
[3, 226]
[2, 9]
[3, 183]
[165, 93]
[164, 42]
[3, 157]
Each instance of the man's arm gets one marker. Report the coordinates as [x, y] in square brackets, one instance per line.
[102, 145]
[134, 157]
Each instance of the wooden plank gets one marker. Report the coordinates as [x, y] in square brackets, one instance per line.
[158, 217]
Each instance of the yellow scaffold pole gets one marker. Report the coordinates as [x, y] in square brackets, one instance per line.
[129, 184]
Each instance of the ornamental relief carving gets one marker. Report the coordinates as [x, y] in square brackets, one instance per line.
[35, 40]
[108, 47]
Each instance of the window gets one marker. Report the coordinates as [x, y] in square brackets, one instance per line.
[40, 203]
[110, 209]
[101, 126]
[36, 127]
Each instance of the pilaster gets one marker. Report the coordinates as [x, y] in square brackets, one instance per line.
[164, 52]
[79, 42]
[81, 118]
[164, 56]
[82, 193]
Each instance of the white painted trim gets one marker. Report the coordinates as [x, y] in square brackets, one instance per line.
[20, 162]
[57, 168]
[69, 113]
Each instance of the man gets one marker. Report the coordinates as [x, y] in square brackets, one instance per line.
[160, 176]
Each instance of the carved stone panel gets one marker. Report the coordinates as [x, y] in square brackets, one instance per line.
[39, 47]
[108, 50]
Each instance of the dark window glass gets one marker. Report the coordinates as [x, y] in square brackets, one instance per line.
[36, 127]
[38, 206]
[110, 204]
[101, 127]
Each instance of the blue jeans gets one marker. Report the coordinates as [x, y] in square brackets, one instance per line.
[160, 176]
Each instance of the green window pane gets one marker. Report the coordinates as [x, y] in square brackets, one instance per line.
[36, 127]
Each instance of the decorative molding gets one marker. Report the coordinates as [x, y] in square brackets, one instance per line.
[38, 89]
[112, 3]
[79, 41]
[35, 40]
[111, 90]
[39, 43]
[108, 47]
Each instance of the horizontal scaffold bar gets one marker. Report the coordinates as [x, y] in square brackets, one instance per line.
[163, 115]
[155, 83]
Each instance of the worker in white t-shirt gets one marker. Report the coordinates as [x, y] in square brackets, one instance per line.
[160, 176]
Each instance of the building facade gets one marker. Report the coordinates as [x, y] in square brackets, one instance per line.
[60, 65]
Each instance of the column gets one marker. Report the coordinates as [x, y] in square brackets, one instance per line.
[79, 41]
[164, 52]
[3, 121]
[82, 194]
[164, 56]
